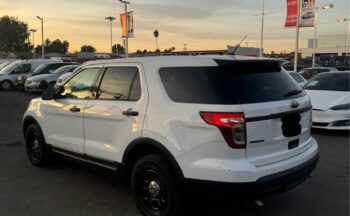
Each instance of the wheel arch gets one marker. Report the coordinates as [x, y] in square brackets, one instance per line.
[29, 120]
[145, 146]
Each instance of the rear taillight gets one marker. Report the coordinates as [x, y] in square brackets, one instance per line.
[231, 125]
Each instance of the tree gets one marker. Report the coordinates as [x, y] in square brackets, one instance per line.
[156, 35]
[56, 46]
[87, 48]
[117, 48]
[14, 35]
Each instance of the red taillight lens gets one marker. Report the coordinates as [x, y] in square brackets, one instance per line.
[231, 125]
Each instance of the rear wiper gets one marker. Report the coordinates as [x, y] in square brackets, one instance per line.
[292, 93]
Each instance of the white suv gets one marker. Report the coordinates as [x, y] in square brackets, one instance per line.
[243, 124]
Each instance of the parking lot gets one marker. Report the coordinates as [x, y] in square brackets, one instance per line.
[68, 188]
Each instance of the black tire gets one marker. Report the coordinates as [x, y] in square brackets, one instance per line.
[155, 187]
[6, 85]
[52, 84]
[36, 147]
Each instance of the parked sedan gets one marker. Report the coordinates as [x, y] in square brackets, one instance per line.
[46, 68]
[330, 97]
[308, 73]
[297, 77]
[33, 83]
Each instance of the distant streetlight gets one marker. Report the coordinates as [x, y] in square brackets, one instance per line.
[110, 18]
[348, 37]
[42, 36]
[324, 7]
[127, 28]
[33, 31]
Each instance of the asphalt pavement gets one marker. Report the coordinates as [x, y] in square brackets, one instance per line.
[68, 188]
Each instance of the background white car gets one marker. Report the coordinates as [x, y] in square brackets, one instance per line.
[330, 97]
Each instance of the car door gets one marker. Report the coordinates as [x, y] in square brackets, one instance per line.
[115, 117]
[64, 115]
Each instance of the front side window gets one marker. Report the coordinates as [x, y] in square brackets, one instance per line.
[21, 69]
[120, 83]
[80, 86]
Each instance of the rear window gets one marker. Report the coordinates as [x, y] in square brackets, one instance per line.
[329, 82]
[231, 82]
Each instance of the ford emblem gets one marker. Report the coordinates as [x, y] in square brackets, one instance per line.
[294, 104]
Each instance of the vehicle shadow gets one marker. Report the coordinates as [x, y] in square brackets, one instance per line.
[344, 133]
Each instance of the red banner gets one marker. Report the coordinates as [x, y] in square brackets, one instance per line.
[292, 13]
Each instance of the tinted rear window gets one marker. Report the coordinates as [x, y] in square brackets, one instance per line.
[329, 82]
[232, 82]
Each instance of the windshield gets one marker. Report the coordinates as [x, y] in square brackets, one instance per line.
[3, 65]
[39, 69]
[232, 82]
[9, 67]
[325, 59]
[340, 60]
[329, 82]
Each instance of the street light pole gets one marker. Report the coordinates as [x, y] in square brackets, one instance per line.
[42, 36]
[262, 29]
[348, 35]
[33, 31]
[296, 51]
[315, 36]
[325, 7]
[127, 27]
[110, 18]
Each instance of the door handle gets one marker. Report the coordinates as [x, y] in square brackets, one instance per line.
[130, 112]
[74, 109]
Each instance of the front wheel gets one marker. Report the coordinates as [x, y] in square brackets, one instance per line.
[155, 187]
[6, 85]
[36, 146]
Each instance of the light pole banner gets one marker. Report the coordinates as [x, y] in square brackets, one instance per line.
[307, 16]
[130, 24]
[292, 13]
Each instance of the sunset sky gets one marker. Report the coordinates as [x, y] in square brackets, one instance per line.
[202, 24]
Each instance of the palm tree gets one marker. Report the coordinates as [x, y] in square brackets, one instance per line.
[156, 35]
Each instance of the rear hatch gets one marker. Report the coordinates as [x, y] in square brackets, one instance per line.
[277, 112]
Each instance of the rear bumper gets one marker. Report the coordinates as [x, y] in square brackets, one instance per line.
[264, 186]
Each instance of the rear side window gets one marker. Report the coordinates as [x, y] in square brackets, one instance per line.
[231, 82]
[120, 83]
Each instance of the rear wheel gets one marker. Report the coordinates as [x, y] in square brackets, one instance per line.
[36, 146]
[155, 187]
[6, 85]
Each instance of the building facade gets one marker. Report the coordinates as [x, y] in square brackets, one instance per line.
[327, 45]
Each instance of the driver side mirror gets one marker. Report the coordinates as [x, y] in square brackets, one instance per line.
[48, 94]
